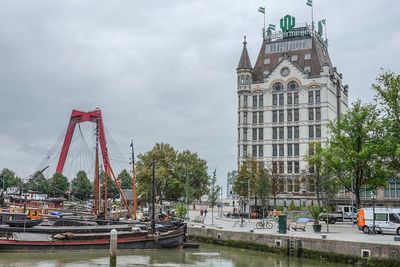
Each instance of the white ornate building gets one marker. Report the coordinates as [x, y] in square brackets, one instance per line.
[284, 105]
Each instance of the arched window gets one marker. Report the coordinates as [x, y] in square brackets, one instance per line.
[293, 85]
[278, 86]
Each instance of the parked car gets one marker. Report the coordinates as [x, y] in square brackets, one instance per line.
[387, 220]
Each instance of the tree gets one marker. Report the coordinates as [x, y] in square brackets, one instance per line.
[355, 149]
[246, 180]
[314, 160]
[213, 194]
[81, 186]
[38, 183]
[263, 188]
[240, 187]
[388, 97]
[125, 179]
[325, 183]
[59, 185]
[173, 169]
[9, 179]
[274, 180]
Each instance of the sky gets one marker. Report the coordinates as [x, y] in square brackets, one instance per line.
[160, 71]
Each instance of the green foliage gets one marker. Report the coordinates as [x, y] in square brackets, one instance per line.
[293, 207]
[81, 186]
[38, 183]
[388, 98]
[325, 184]
[173, 169]
[246, 179]
[181, 210]
[262, 187]
[59, 185]
[355, 149]
[315, 212]
[214, 190]
[126, 179]
[9, 179]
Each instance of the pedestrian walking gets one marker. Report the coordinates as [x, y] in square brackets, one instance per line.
[205, 212]
[201, 212]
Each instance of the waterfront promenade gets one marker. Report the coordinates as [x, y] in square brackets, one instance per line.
[342, 231]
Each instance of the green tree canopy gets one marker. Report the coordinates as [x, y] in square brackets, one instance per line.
[59, 185]
[173, 169]
[81, 186]
[263, 187]
[355, 149]
[38, 183]
[9, 179]
[387, 89]
[124, 179]
[324, 182]
[246, 179]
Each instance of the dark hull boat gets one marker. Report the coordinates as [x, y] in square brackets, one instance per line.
[28, 242]
[23, 223]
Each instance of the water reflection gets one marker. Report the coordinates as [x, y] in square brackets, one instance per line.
[208, 255]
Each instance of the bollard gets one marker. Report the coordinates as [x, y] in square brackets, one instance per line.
[113, 248]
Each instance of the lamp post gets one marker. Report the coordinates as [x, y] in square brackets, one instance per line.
[248, 194]
[352, 202]
[373, 197]
[186, 192]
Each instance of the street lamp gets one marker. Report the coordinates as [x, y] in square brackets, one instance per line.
[186, 192]
[248, 194]
[373, 197]
[352, 202]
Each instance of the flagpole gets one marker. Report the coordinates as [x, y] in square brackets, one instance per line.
[264, 28]
[312, 18]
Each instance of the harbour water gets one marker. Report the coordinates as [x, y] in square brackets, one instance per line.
[207, 255]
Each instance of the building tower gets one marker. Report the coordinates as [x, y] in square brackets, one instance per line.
[285, 104]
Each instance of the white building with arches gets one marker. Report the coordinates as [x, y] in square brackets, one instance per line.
[284, 105]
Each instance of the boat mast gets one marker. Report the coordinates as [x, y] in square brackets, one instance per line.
[153, 196]
[97, 176]
[105, 190]
[134, 183]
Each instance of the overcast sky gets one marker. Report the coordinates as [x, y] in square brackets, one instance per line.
[161, 71]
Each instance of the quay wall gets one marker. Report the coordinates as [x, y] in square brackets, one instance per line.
[366, 254]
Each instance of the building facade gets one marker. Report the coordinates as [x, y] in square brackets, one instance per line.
[285, 102]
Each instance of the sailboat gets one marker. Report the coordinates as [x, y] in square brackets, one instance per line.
[131, 235]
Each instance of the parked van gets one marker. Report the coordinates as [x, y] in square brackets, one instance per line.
[387, 220]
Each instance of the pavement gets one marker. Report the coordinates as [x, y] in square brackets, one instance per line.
[342, 231]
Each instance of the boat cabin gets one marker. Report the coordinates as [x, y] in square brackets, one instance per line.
[6, 216]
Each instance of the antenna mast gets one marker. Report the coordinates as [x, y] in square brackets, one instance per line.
[134, 182]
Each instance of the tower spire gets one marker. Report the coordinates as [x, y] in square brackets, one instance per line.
[244, 62]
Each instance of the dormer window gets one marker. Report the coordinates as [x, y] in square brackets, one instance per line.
[307, 56]
[307, 69]
[294, 57]
[267, 61]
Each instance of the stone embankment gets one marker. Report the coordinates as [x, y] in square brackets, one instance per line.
[301, 245]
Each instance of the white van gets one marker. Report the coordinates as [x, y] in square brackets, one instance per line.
[387, 220]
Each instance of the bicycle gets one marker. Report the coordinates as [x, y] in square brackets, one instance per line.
[264, 224]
